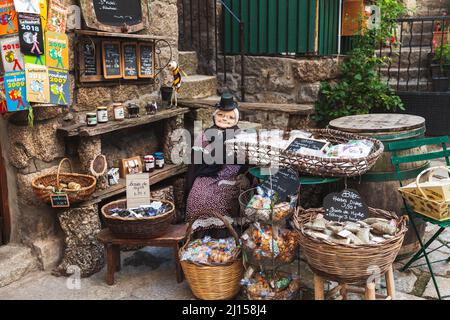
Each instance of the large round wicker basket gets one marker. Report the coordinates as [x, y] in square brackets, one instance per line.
[137, 228]
[88, 184]
[214, 282]
[349, 263]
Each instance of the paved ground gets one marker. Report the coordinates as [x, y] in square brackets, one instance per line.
[149, 274]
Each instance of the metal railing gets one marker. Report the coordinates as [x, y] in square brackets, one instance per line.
[411, 60]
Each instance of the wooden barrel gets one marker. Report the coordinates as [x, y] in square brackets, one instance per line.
[379, 186]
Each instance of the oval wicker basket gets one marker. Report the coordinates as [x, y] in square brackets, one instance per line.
[137, 228]
[334, 167]
[349, 263]
[213, 282]
[88, 184]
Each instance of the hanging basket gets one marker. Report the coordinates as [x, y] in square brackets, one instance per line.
[87, 182]
[349, 263]
[334, 167]
[214, 282]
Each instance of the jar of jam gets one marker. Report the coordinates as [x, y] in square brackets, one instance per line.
[149, 163]
[91, 119]
[159, 160]
[119, 112]
[102, 114]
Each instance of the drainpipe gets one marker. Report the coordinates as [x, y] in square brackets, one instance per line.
[339, 28]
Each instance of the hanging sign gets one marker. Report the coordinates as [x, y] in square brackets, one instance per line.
[8, 18]
[27, 6]
[138, 190]
[345, 206]
[11, 56]
[112, 63]
[60, 200]
[285, 182]
[57, 17]
[59, 87]
[37, 83]
[57, 50]
[15, 91]
[146, 61]
[3, 108]
[129, 60]
[90, 61]
[30, 34]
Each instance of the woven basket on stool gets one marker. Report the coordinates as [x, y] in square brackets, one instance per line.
[214, 282]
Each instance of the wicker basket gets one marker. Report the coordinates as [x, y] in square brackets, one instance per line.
[88, 184]
[349, 263]
[214, 282]
[137, 228]
[334, 167]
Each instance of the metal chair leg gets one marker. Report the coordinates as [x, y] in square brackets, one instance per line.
[419, 253]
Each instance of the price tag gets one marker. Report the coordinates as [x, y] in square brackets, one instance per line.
[138, 190]
[299, 143]
[346, 205]
[60, 200]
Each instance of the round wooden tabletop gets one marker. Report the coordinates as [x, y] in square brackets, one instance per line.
[377, 122]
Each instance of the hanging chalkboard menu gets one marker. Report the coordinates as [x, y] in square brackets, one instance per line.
[129, 60]
[146, 60]
[114, 15]
[346, 205]
[112, 63]
[283, 181]
[90, 67]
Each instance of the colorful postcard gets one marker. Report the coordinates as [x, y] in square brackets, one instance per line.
[27, 6]
[3, 108]
[57, 50]
[57, 17]
[8, 18]
[59, 87]
[11, 56]
[37, 82]
[31, 34]
[16, 91]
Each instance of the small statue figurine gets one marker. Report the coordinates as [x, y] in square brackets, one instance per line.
[176, 83]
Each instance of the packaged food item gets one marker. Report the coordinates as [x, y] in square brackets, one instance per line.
[351, 149]
[265, 286]
[156, 208]
[210, 251]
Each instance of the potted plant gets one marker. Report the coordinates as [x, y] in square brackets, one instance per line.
[440, 68]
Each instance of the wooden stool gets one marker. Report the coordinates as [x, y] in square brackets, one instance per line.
[173, 238]
[368, 291]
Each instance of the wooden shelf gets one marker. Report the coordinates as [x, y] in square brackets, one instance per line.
[142, 37]
[170, 170]
[83, 130]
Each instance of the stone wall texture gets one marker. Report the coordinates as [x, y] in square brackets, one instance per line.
[36, 151]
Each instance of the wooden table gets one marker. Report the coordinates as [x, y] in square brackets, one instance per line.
[175, 235]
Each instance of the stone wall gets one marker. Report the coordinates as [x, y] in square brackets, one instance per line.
[31, 152]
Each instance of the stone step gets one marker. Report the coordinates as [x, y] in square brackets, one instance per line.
[409, 56]
[416, 39]
[404, 73]
[411, 85]
[198, 87]
[15, 262]
[188, 62]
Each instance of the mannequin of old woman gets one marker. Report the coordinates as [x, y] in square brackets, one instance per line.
[215, 187]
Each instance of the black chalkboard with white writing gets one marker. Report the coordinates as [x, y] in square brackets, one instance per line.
[118, 12]
[299, 143]
[60, 200]
[146, 61]
[112, 65]
[346, 205]
[90, 59]
[129, 60]
[284, 181]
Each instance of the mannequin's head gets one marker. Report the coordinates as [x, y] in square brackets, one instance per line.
[225, 119]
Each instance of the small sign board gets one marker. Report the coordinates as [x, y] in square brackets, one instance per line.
[59, 87]
[90, 61]
[57, 48]
[31, 34]
[129, 60]
[112, 64]
[60, 200]
[37, 83]
[27, 6]
[138, 190]
[146, 60]
[8, 18]
[11, 56]
[346, 205]
[285, 182]
[313, 144]
[16, 91]
[57, 16]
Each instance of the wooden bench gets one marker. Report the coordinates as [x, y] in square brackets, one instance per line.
[174, 237]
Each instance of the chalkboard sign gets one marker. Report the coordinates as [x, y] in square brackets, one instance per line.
[345, 206]
[112, 64]
[146, 60]
[285, 182]
[114, 15]
[299, 143]
[60, 200]
[129, 60]
[90, 68]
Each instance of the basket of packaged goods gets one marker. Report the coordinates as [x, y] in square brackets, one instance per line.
[269, 245]
[270, 285]
[333, 153]
[348, 251]
[257, 205]
[78, 187]
[213, 267]
[145, 222]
